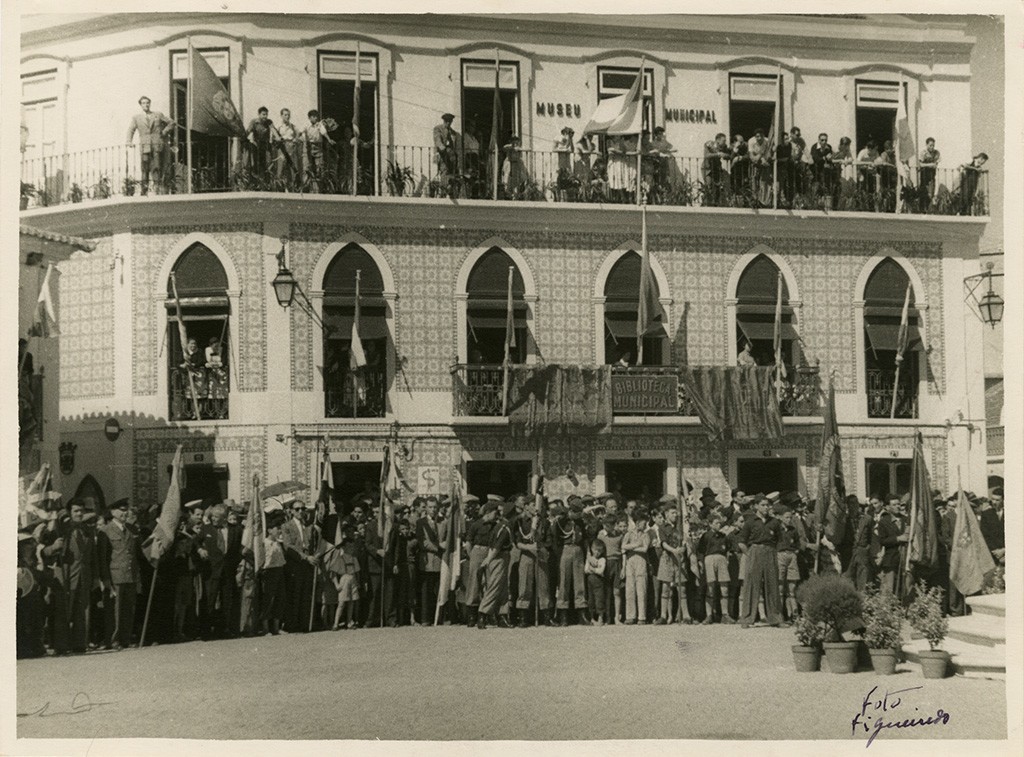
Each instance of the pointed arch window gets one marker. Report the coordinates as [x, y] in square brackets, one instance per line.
[756, 295]
[198, 386]
[621, 303]
[884, 295]
[354, 391]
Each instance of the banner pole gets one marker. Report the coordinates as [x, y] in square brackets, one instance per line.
[188, 130]
[149, 606]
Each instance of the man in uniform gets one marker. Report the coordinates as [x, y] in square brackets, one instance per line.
[78, 576]
[757, 539]
[571, 584]
[495, 594]
[119, 572]
[531, 534]
[478, 537]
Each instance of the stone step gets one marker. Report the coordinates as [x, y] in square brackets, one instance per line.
[988, 604]
[984, 630]
[968, 660]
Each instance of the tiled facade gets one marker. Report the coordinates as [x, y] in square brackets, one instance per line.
[87, 316]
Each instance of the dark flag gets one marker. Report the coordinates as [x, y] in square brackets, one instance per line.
[451, 560]
[923, 540]
[212, 110]
[830, 511]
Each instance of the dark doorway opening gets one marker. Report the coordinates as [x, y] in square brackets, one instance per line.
[353, 481]
[747, 117]
[337, 101]
[643, 480]
[767, 475]
[504, 478]
[887, 477]
[206, 481]
[875, 123]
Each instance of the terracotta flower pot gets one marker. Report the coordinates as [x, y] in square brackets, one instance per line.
[806, 659]
[934, 662]
[841, 656]
[884, 661]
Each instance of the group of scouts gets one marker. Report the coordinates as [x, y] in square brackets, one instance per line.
[84, 582]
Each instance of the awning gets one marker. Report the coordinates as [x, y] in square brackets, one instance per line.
[340, 326]
[626, 329]
[761, 330]
[885, 336]
[216, 301]
[488, 319]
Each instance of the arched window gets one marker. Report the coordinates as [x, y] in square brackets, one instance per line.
[198, 374]
[487, 309]
[622, 301]
[884, 294]
[349, 391]
[756, 295]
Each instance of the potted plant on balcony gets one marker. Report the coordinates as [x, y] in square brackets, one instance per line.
[129, 186]
[807, 650]
[835, 603]
[398, 179]
[28, 191]
[925, 615]
[883, 616]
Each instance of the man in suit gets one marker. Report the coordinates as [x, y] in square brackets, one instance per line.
[78, 577]
[152, 127]
[888, 536]
[119, 572]
[296, 537]
[446, 142]
[219, 546]
[429, 561]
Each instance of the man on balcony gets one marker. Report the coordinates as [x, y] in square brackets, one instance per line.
[152, 127]
[446, 141]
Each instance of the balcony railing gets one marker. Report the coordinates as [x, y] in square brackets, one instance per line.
[477, 391]
[211, 394]
[367, 398]
[535, 175]
[880, 389]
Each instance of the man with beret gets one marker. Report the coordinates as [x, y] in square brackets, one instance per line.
[495, 594]
[571, 583]
[757, 539]
[119, 572]
[531, 533]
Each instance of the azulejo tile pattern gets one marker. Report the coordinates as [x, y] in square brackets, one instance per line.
[243, 244]
[86, 318]
[250, 441]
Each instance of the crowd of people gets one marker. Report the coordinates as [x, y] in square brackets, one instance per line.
[84, 581]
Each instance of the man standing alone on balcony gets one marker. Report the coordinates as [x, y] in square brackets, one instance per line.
[152, 126]
[446, 147]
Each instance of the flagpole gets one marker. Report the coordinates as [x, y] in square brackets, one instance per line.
[149, 605]
[355, 128]
[778, 138]
[355, 378]
[188, 134]
[182, 333]
[640, 135]
[641, 327]
[777, 337]
[508, 324]
[914, 494]
[495, 117]
[899, 351]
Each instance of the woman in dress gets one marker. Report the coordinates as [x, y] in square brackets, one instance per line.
[513, 175]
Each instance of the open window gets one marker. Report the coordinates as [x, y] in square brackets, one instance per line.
[756, 295]
[354, 392]
[883, 308]
[337, 80]
[211, 155]
[478, 107]
[752, 102]
[877, 102]
[622, 301]
[198, 386]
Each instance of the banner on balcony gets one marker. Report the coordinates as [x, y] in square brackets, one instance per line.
[735, 402]
[556, 399]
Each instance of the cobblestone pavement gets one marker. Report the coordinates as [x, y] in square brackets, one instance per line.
[650, 682]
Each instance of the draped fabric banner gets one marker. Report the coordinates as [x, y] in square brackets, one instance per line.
[734, 402]
[554, 399]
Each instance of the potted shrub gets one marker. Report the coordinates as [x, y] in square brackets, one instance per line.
[807, 650]
[925, 615]
[833, 602]
[129, 186]
[883, 616]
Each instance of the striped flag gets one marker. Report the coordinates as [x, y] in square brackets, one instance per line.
[905, 149]
[326, 496]
[38, 498]
[970, 562]
[510, 322]
[496, 118]
[44, 320]
[162, 538]
[778, 120]
[620, 115]
[255, 527]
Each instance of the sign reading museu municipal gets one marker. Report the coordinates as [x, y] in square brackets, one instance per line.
[639, 394]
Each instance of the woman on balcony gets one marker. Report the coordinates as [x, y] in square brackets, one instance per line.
[513, 174]
[621, 167]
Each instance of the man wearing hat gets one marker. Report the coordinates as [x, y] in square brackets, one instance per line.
[495, 595]
[77, 573]
[478, 537]
[117, 548]
[30, 608]
[296, 538]
[219, 546]
[531, 533]
[571, 581]
[446, 145]
[757, 539]
[185, 570]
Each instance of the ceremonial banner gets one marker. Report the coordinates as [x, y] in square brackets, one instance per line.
[923, 539]
[254, 530]
[619, 115]
[212, 110]
[830, 510]
[556, 399]
[323, 501]
[36, 500]
[970, 562]
[44, 320]
[452, 557]
[734, 402]
[162, 538]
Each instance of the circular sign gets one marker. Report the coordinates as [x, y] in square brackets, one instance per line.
[112, 429]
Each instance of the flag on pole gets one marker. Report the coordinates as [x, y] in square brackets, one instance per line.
[44, 319]
[255, 527]
[162, 538]
[905, 149]
[496, 117]
[620, 115]
[212, 111]
[903, 337]
[649, 308]
[830, 510]
[778, 120]
[970, 562]
[923, 539]
[36, 499]
[326, 496]
[510, 322]
[780, 365]
[356, 354]
[183, 338]
[451, 560]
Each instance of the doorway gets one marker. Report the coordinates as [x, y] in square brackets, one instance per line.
[353, 481]
[878, 124]
[887, 477]
[767, 475]
[642, 480]
[504, 478]
[206, 481]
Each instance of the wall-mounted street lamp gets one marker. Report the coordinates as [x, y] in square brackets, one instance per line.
[286, 286]
[989, 307]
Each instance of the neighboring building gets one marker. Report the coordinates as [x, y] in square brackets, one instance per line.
[995, 429]
[39, 359]
[434, 271]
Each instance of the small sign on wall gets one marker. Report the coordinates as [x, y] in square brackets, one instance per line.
[428, 480]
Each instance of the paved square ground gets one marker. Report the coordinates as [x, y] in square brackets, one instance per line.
[632, 682]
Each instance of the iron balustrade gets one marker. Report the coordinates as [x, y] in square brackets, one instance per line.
[532, 175]
[211, 394]
[477, 390]
[343, 398]
[880, 389]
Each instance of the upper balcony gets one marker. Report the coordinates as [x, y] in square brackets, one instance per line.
[522, 175]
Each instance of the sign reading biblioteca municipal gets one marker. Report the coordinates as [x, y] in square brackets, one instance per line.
[638, 394]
